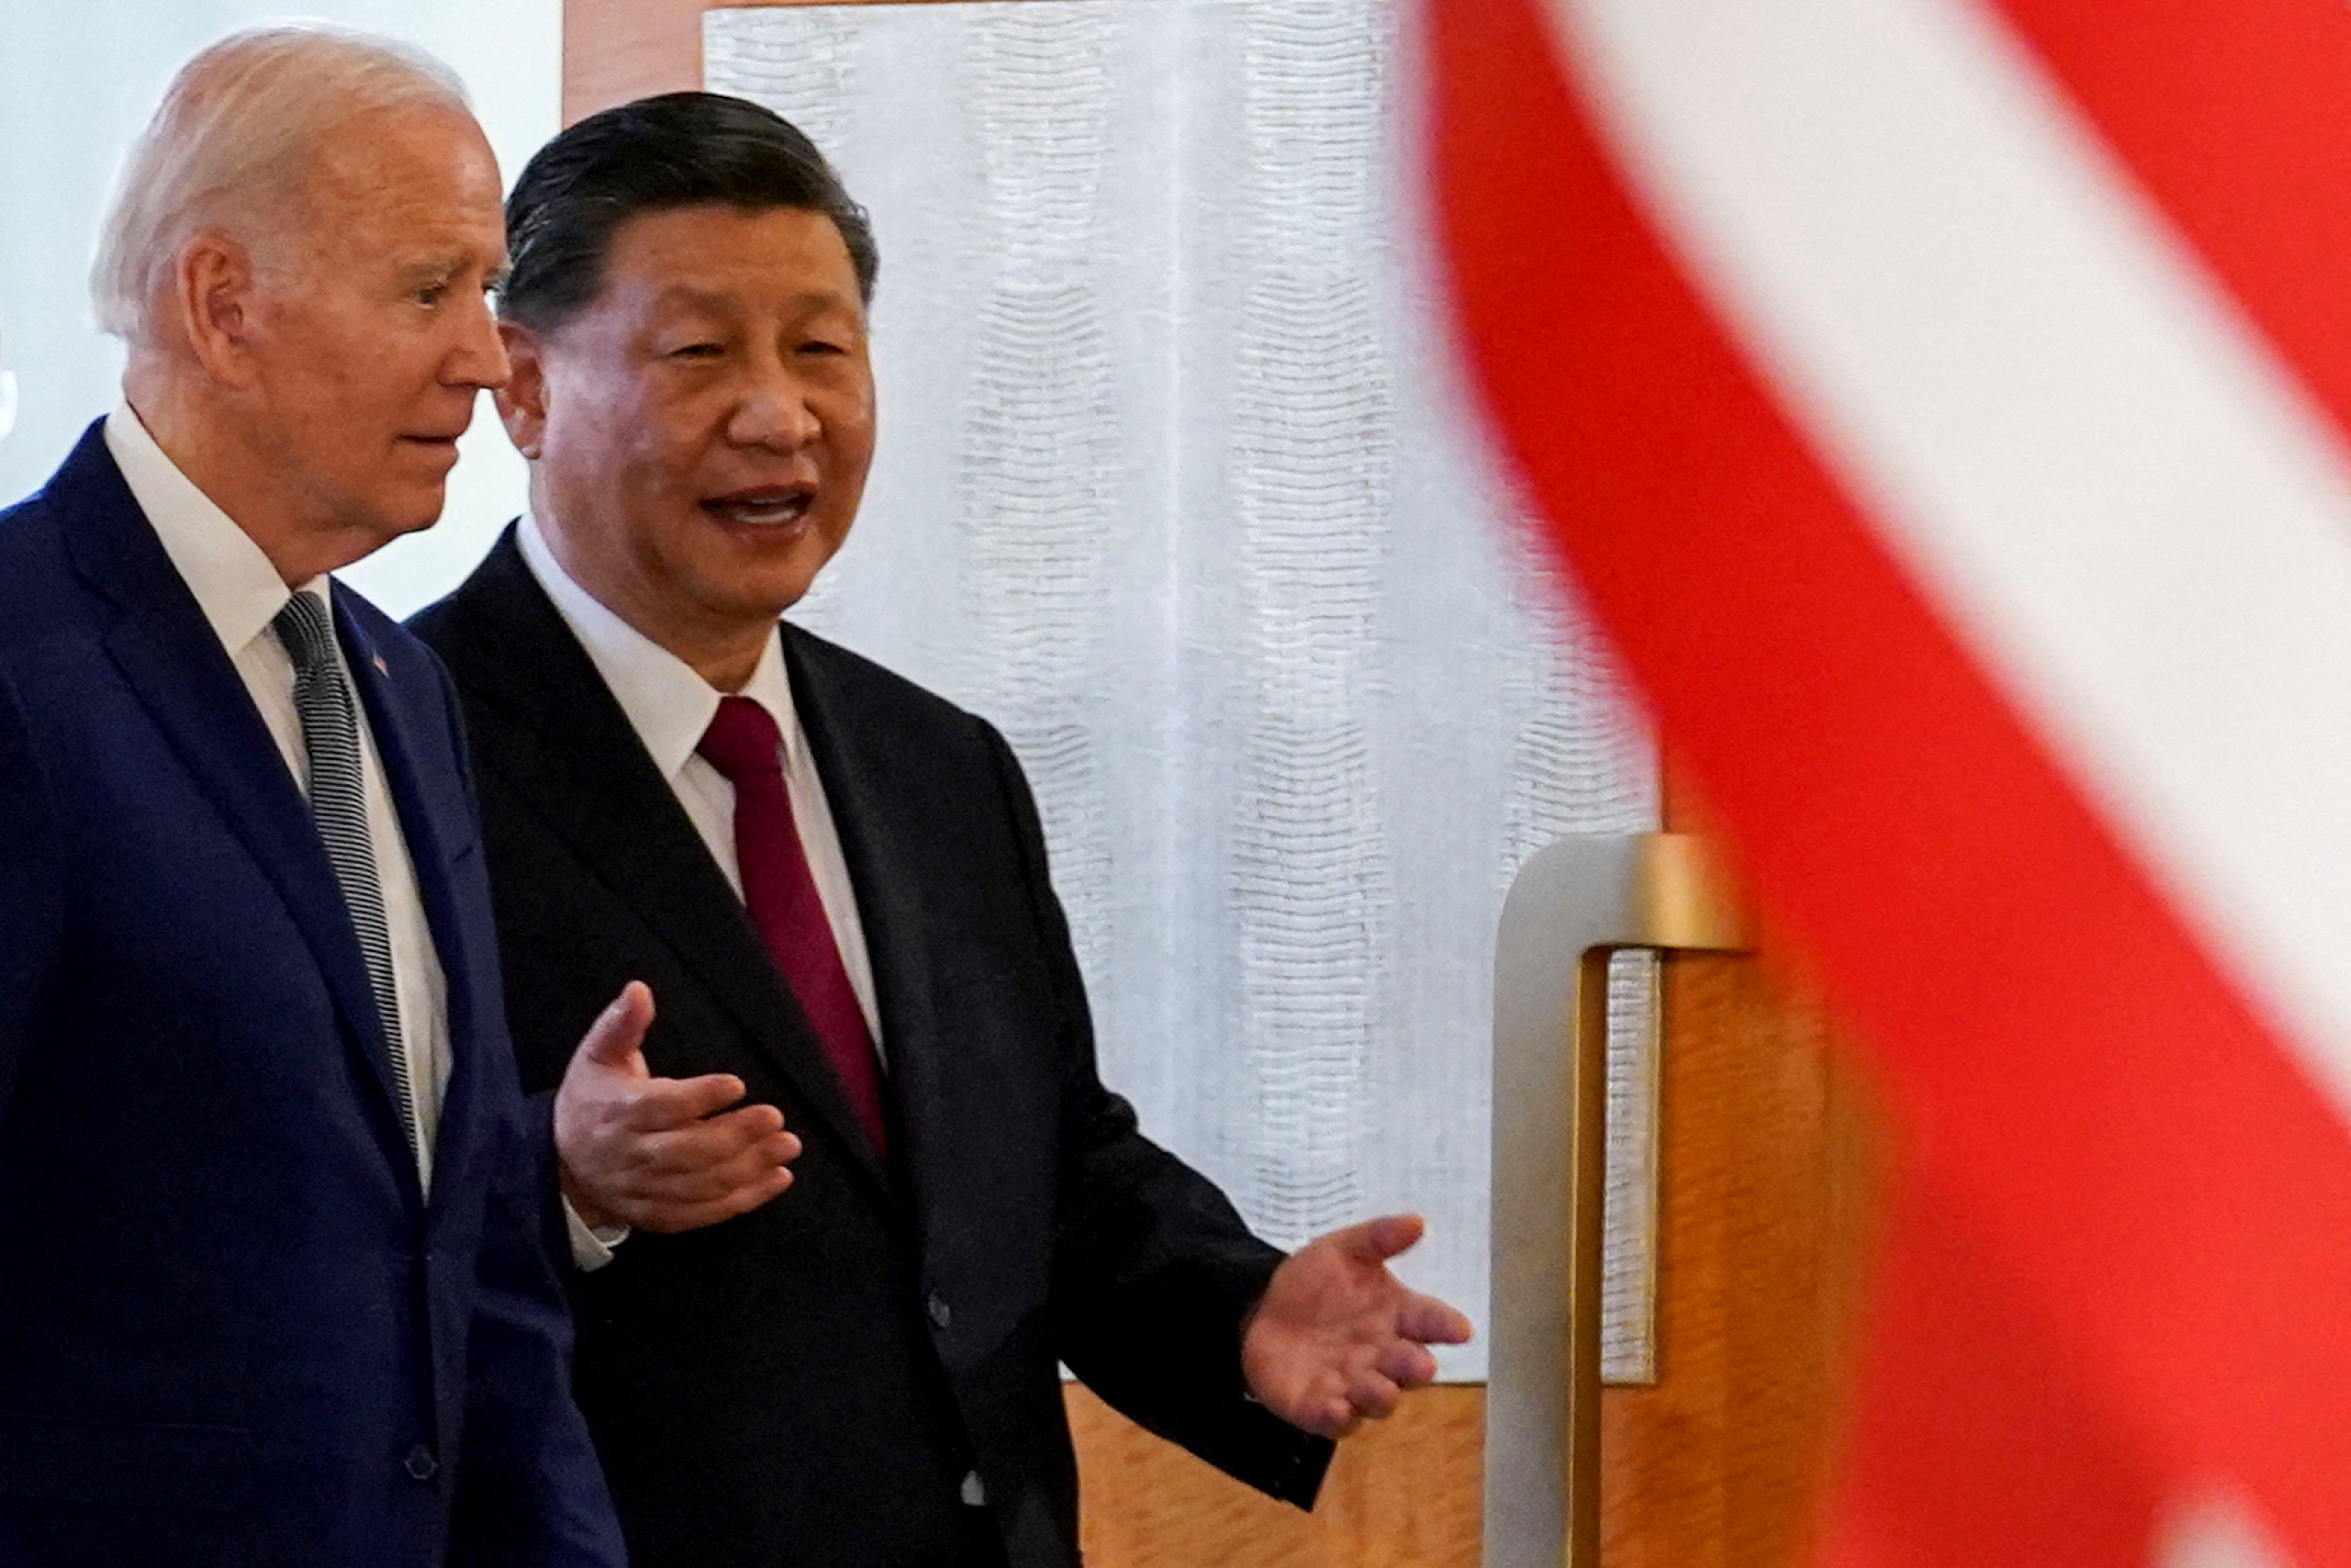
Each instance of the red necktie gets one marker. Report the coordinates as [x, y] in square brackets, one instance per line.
[744, 745]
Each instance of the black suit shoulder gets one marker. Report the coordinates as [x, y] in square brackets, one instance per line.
[924, 761]
[877, 690]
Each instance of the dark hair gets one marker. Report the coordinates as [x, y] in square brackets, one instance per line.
[657, 155]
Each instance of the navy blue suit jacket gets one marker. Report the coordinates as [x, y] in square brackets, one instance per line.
[233, 1327]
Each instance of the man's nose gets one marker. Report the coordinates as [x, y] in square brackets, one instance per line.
[776, 413]
[479, 359]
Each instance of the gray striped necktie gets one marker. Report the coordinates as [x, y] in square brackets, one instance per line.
[330, 737]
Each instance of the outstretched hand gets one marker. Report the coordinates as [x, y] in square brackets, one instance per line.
[1338, 1338]
[659, 1153]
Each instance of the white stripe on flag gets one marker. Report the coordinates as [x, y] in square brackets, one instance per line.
[2123, 504]
[2216, 1533]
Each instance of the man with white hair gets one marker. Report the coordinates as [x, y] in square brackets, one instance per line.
[273, 1282]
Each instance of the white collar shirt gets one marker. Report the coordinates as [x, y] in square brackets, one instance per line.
[240, 594]
[670, 705]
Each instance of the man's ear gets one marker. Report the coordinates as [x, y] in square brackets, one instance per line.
[215, 296]
[522, 402]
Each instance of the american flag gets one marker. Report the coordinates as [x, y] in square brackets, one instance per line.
[1946, 406]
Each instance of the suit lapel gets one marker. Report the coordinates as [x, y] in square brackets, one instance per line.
[889, 890]
[184, 679]
[567, 750]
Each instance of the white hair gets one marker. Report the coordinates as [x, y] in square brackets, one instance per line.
[231, 145]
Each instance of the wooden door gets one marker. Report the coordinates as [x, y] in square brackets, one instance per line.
[1766, 1152]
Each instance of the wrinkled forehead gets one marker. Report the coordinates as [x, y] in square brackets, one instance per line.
[719, 258]
[388, 175]
[401, 153]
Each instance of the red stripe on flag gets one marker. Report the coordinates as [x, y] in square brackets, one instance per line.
[1954, 1368]
[2166, 1189]
[2236, 119]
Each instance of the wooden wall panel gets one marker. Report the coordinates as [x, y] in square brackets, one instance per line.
[1402, 1493]
[615, 50]
[1771, 1158]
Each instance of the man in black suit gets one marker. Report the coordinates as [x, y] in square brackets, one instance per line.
[835, 884]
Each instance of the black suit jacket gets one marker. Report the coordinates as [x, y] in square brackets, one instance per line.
[809, 1384]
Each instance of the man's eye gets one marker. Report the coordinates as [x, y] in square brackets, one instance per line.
[822, 346]
[696, 352]
[433, 294]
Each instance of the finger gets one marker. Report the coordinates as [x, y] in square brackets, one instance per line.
[1405, 1364]
[1324, 1408]
[659, 1105]
[672, 1201]
[699, 1145]
[706, 1180]
[1372, 1394]
[1340, 1419]
[1431, 1322]
[672, 1217]
[617, 1038]
[754, 1168]
[1376, 1240]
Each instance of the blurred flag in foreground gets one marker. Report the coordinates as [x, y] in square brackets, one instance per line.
[1946, 406]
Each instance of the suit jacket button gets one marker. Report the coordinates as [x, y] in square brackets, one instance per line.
[937, 1306]
[421, 1464]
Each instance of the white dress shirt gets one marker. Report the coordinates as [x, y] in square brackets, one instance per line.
[670, 705]
[240, 594]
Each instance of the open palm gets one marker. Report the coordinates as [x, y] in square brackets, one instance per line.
[1337, 1337]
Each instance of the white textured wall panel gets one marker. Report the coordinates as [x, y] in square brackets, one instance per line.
[1175, 485]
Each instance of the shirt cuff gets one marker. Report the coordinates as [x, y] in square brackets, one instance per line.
[591, 1245]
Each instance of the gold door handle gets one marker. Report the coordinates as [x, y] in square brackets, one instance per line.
[1571, 907]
